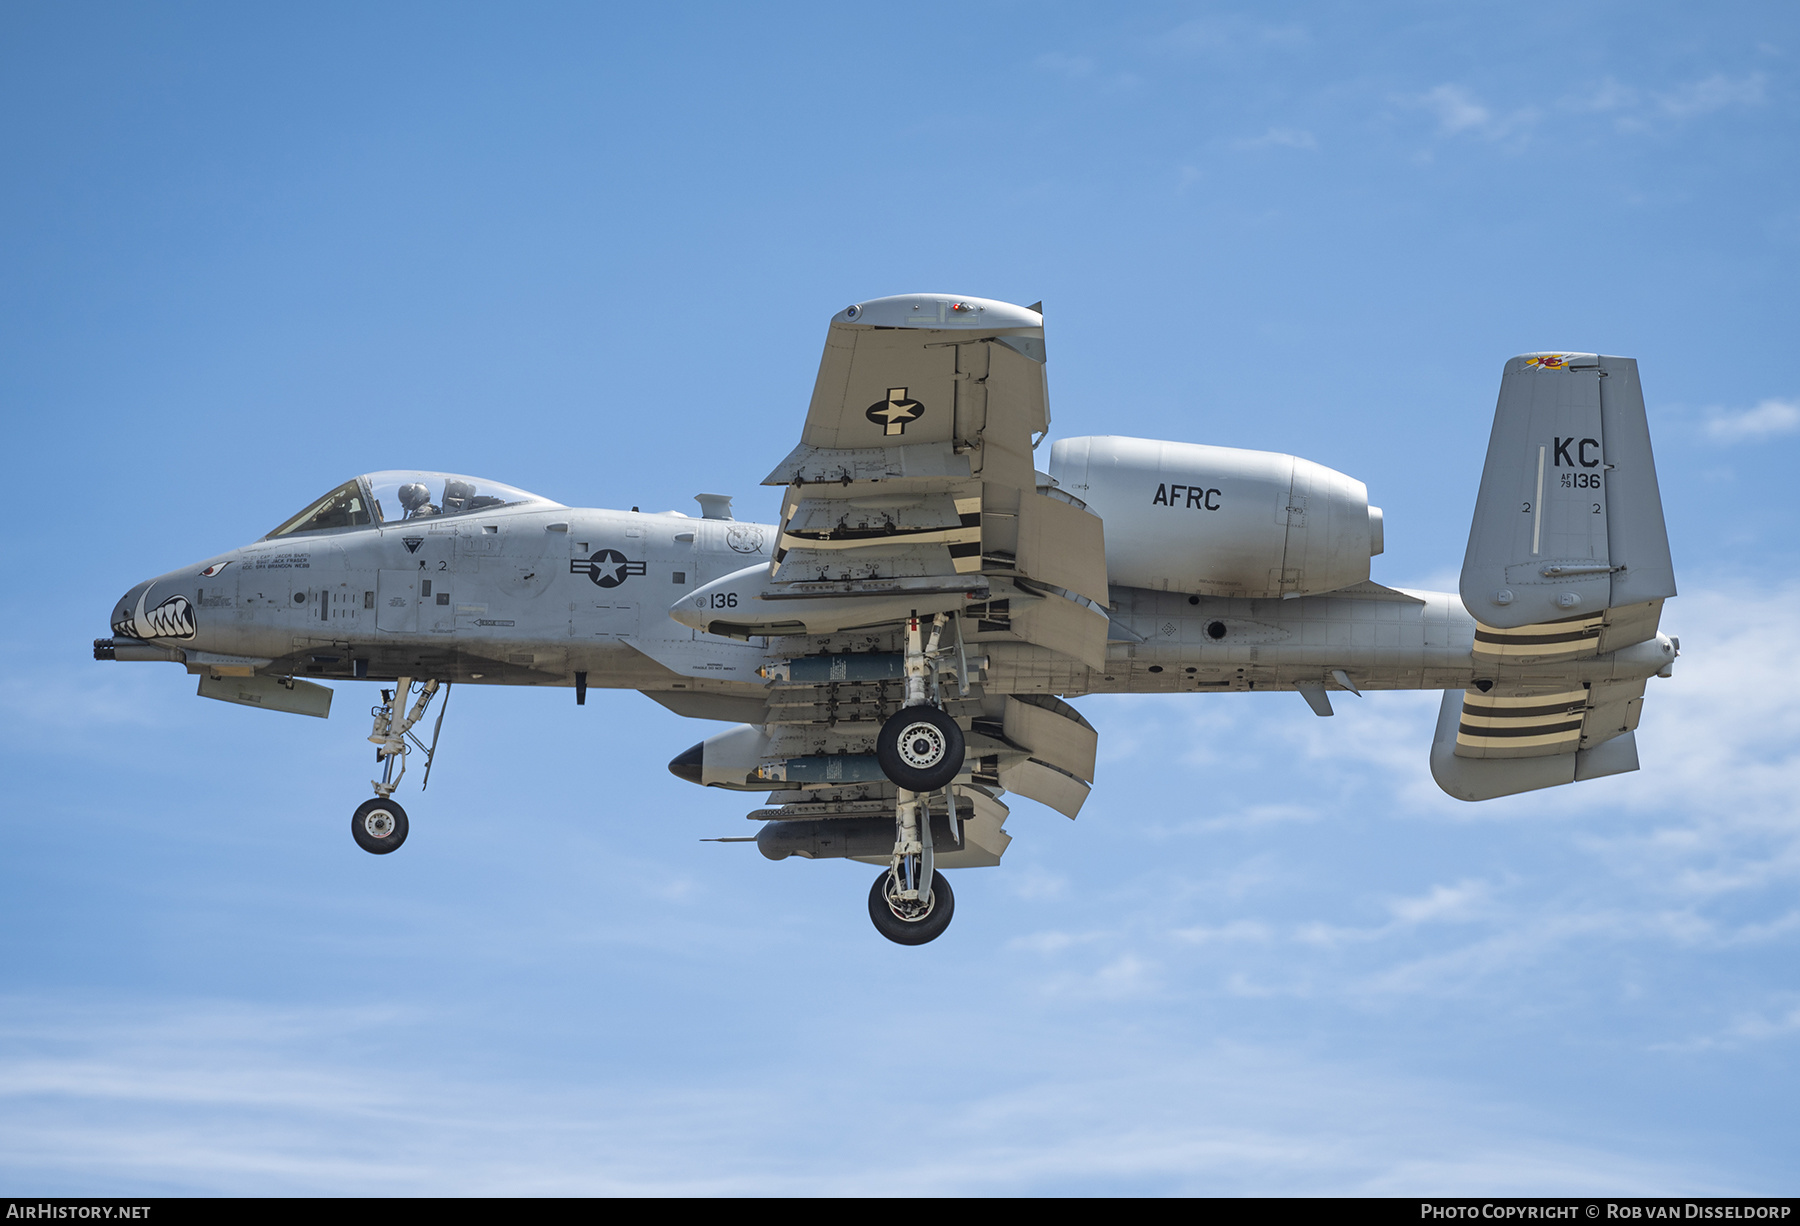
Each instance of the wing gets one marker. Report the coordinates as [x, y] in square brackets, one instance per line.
[913, 490]
[915, 465]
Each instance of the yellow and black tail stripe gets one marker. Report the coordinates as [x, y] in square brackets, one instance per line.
[1560, 640]
[1534, 725]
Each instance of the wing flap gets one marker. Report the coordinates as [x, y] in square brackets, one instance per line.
[1053, 732]
[1063, 546]
[1054, 622]
[1046, 785]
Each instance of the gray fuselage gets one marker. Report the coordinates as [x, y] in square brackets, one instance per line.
[535, 595]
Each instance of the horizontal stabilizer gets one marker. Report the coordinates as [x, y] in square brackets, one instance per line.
[1568, 522]
[1499, 745]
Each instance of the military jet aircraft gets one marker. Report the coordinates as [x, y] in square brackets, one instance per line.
[895, 655]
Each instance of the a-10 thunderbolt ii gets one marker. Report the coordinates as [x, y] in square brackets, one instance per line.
[895, 654]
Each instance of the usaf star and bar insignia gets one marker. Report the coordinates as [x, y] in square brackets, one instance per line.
[607, 568]
[895, 412]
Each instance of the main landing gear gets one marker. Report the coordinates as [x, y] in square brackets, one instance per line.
[907, 921]
[379, 826]
[920, 749]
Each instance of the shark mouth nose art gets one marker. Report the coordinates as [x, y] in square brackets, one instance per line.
[172, 619]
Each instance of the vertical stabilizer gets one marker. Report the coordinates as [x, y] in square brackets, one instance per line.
[1568, 522]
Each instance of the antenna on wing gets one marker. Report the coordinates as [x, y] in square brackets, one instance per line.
[1037, 306]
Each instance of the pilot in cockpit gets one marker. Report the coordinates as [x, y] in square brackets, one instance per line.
[417, 500]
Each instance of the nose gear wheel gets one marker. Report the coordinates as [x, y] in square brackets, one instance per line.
[378, 826]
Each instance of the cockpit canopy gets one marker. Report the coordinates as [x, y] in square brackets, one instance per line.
[398, 495]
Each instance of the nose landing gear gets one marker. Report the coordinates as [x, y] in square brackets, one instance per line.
[379, 826]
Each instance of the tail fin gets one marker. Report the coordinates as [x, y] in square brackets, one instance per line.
[1569, 521]
[1568, 559]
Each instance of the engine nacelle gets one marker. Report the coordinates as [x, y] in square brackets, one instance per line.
[1220, 521]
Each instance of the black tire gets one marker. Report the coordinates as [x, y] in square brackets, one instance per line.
[920, 749]
[370, 818]
[903, 931]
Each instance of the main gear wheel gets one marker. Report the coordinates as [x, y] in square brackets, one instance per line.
[920, 749]
[907, 922]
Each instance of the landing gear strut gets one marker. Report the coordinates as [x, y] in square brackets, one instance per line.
[911, 903]
[379, 826]
[921, 750]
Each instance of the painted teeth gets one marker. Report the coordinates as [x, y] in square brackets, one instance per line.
[172, 619]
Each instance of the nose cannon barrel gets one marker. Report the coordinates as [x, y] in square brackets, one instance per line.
[134, 649]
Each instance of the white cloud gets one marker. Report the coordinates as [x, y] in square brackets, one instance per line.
[1456, 108]
[1043, 942]
[1608, 96]
[1631, 109]
[1710, 94]
[1074, 67]
[1768, 419]
[1640, 110]
[1459, 112]
[1033, 881]
[1281, 138]
[1082, 68]
[1442, 903]
[181, 1103]
[1758, 1027]
[1231, 33]
[1236, 930]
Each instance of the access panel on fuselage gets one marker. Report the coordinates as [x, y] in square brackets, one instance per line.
[396, 603]
[411, 601]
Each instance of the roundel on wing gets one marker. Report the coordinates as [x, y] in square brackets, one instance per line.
[895, 412]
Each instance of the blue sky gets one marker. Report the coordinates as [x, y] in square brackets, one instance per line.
[245, 253]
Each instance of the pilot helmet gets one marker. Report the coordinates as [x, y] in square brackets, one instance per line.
[414, 495]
